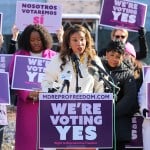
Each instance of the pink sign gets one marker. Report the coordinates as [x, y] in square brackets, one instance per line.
[46, 14]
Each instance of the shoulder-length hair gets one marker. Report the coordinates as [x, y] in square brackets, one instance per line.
[66, 51]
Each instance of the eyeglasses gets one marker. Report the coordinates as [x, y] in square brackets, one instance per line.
[120, 36]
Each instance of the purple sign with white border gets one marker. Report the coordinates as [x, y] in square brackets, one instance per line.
[76, 120]
[148, 98]
[4, 88]
[136, 141]
[124, 14]
[47, 14]
[28, 72]
[5, 62]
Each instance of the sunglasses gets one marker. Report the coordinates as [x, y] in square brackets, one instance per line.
[120, 36]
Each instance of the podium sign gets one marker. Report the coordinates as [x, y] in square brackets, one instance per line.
[75, 120]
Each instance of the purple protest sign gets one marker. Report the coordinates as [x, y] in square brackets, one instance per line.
[124, 14]
[145, 69]
[146, 77]
[136, 141]
[148, 98]
[5, 62]
[75, 120]
[4, 88]
[28, 72]
[46, 14]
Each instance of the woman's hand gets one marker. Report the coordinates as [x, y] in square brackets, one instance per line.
[34, 95]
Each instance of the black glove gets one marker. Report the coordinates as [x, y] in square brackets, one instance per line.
[145, 111]
[141, 31]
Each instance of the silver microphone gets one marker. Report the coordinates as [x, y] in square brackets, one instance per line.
[101, 74]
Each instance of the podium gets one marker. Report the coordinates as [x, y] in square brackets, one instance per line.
[75, 120]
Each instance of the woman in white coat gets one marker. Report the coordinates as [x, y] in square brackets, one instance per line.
[144, 110]
[68, 71]
[71, 65]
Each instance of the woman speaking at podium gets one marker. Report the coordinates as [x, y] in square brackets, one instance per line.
[68, 71]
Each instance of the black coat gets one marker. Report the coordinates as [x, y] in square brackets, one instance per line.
[125, 101]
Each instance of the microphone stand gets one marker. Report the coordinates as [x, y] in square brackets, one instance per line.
[75, 59]
[113, 87]
[77, 78]
[66, 82]
[109, 84]
[102, 73]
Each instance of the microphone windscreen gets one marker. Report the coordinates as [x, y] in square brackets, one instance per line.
[91, 70]
[93, 63]
[74, 57]
[94, 72]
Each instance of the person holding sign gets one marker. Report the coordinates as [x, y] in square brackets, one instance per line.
[125, 100]
[12, 45]
[122, 35]
[35, 40]
[145, 110]
[3, 109]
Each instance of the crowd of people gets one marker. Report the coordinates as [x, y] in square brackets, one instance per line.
[119, 60]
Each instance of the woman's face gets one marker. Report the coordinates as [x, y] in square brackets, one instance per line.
[120, 35]
[1, 40]
[35, 42]
[129, 57]
[114, 59]
[78, 42]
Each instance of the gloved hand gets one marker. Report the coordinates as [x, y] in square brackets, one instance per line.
[145, 111]
[141, 31]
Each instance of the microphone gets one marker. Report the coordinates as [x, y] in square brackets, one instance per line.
[54, 87]
[99, 68]
[102, 74]
[76, 60]
[66, 77]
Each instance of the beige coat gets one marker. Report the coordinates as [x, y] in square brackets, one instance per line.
[53, 73]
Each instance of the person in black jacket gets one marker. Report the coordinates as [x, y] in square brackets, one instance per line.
[125, 99]
[13, 42]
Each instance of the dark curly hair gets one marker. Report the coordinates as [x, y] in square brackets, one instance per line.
[116, 46]
[24, 39]
[66, 51]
